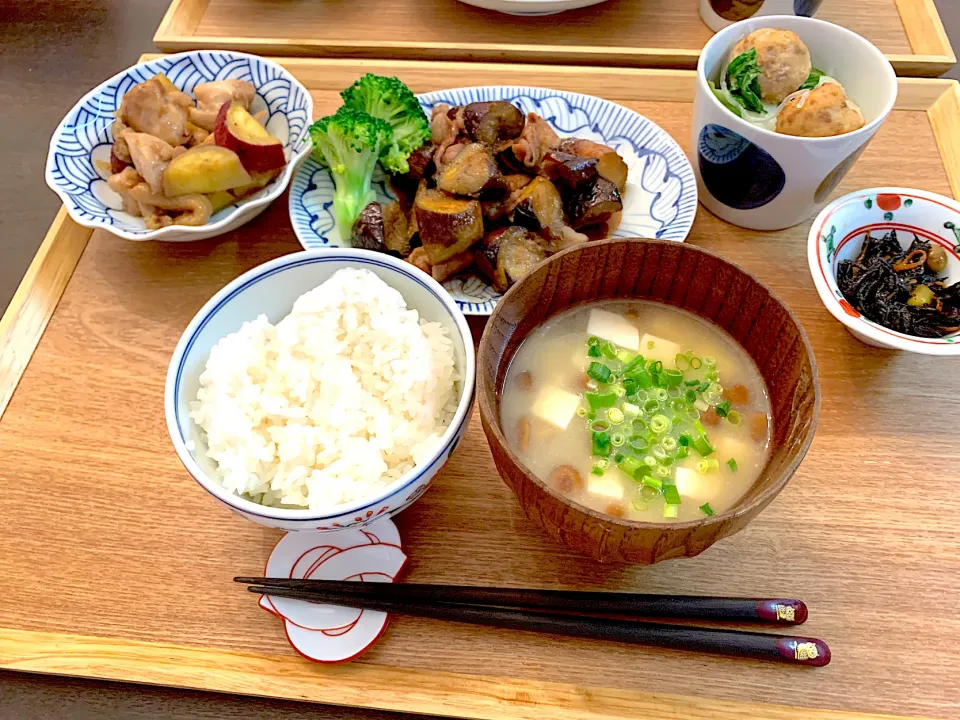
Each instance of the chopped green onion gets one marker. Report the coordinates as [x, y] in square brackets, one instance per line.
[682, 453]
[668, 443]
[671, 495]
[600, 400]
[599, 372]
[691, 383]
[601, 443]
[617, 439]
[639, 424]
[630, 386]
[673, 377]
[670, 511]
[651, 482]
[637, 362]
[637, 443]
[651, 406]
[618, 390]
[639, 504]
[660, 424]
[608, 350]
[682, 361]
[723, 408]
[581, 411]
[709, 465]
[650, 344]
[709, 360]
[663, 471]
[650, 461]
[591, 414]
[624, 356]
[597, 470]
[593, 351]
[629, 464]
[693, 414]
[631, 409]
[615, 415]
[593, 341]
[733, 417]
[702, 446]
[732, 463]
[661, 395]
[684, 440]
[696, 363]
[603, 462]
[700, 405]
[706, 509]
[655, 367]
[690, 396]
[600, 425]
[643, 379]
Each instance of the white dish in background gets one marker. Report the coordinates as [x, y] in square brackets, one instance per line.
[838, 232]
[271, 290]
[531, 8]
[83, 139]
[660, 201]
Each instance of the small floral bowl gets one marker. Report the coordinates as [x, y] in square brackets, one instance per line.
[839, 230]
[79, 158]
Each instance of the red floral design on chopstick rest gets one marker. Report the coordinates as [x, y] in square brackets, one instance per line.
[327, 633]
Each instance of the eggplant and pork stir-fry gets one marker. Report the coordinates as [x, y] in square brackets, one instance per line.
[486, 187]
[902, 289]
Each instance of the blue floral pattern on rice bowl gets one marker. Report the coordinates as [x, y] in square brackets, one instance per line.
[661, 197]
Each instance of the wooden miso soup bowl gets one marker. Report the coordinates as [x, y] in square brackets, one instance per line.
[687, 277]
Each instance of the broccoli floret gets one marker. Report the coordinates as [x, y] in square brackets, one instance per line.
[389, 99]
[349, 143]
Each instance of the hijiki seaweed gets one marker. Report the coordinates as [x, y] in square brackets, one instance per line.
[901, 290]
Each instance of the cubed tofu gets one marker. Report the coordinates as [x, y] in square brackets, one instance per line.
[615, 328]
[662, 350]
[693, 486]
[736, 446]
[605, 486]
[556, 406]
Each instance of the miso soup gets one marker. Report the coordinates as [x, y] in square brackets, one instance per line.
[638, 410]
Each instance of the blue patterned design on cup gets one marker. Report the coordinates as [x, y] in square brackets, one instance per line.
[737, 172]
[806, 7]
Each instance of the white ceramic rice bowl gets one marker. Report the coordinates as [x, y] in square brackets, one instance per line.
[271, 289]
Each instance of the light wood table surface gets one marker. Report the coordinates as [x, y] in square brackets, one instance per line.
[104, 355]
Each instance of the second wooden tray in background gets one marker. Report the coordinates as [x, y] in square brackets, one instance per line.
[638, 33]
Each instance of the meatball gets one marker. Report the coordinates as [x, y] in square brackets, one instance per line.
[822, 112]
[783, 59]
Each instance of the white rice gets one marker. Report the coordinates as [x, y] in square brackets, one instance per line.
[333, 403]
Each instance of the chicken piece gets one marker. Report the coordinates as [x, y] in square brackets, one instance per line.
[151, 107]
[536, 140]
[122, 183]
[210, 96]
[418, 258]
[150, 156]
[120, 149]
[783, 59]
[822, 112]
[450, 267]
[187, 209]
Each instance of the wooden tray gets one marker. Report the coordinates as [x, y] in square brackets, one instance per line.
[638, 33]
[118, 566]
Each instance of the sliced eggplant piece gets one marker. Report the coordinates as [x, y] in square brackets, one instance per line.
[569, 171]
[447, 225]
[396, 228]
[507, 255]
[448, 268]
[490, 122]
[421, 161]
[594, 204]
[472, 170]
[610, 165]
[538, 206]
[368, 229]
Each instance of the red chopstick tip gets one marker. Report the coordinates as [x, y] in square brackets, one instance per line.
[812, 652]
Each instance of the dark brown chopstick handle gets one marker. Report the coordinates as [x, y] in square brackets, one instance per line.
[764, 646]
[773, 611]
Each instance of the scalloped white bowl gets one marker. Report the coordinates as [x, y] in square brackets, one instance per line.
[839, 230]
[80, 145]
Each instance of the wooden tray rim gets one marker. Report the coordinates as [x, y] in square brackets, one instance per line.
[931, 56]
[360, 684]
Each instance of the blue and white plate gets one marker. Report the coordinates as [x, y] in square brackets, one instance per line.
[660, 201]
[78, 163]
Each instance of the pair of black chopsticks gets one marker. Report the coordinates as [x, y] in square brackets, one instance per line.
[541, 611]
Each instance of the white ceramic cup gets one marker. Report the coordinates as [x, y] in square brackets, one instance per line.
[718, 14]
[760, 179]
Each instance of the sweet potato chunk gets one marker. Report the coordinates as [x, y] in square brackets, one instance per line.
[204, 169]
[447, 225]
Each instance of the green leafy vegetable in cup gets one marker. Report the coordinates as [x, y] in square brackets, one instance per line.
[813, 79]
[742, 74]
